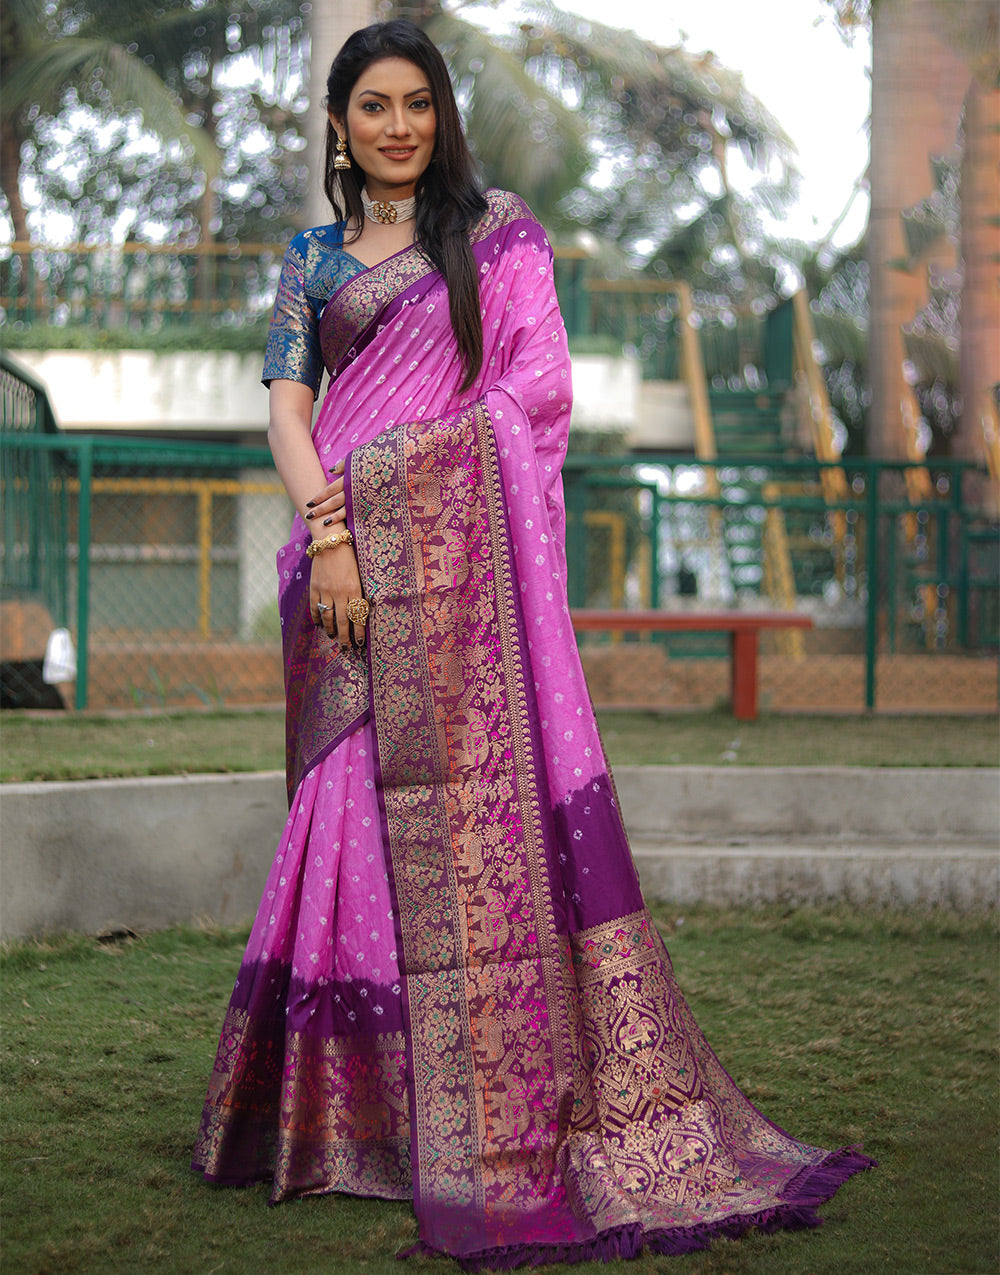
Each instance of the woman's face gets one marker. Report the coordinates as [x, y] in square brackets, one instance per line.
[391, 126]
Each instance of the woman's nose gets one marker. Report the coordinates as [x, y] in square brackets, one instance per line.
[397, 124]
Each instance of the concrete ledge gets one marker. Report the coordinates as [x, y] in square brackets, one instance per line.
[894, 804]
[139, 852]
[152, 852]
[966, 878]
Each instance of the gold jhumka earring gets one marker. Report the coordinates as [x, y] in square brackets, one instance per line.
[341, 160]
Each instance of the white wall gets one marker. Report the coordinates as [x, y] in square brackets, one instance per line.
[139, 389]
[217, 391]
[221, 392]
[605, 392]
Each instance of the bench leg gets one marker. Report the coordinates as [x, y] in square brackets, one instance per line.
[743, 672]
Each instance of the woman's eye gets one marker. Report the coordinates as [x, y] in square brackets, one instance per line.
[421, 104]
[371, 107]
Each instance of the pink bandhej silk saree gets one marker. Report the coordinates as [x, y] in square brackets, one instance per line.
[452, 989]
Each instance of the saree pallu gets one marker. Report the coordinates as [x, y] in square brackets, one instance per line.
[453, 988]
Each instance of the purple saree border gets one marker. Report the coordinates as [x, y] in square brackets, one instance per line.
[296, 625]
[397, 922]
[382, 317]
[807, 1192]
[395, 301]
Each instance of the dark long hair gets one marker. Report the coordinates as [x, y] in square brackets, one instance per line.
[449, 198]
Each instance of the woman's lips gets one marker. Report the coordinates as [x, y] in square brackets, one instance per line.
[399, 154]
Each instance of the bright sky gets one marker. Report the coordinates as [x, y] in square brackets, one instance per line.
[794, 60]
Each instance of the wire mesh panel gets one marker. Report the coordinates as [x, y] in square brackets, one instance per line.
[182, 583]
[168, 580]
[899, 582]
[171, 568]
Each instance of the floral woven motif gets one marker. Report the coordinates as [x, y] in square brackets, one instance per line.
[560, 1091]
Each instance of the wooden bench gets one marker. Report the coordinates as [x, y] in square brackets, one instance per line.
[742, 627]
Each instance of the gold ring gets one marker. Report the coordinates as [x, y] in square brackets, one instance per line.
[357, 610]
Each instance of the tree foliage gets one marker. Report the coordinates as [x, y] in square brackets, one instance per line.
[177, 118]
[630, 141]
[126, 113]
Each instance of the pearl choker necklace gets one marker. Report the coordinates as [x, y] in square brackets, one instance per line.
[387, 212]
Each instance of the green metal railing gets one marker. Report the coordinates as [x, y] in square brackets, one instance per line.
[32, 481]
[146, 288]
[141, 287]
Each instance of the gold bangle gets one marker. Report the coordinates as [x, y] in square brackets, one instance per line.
[329, 542]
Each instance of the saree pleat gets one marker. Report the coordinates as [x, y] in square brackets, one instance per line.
[453, 987]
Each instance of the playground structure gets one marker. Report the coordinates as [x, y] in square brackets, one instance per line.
[894, 565]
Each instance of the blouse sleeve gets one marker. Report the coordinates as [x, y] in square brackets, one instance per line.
[293, 350]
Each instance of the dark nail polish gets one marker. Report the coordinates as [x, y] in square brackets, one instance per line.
[327, 522]
[310, 503]
[308, 516]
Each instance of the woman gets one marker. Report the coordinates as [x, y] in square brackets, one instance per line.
[453, 989]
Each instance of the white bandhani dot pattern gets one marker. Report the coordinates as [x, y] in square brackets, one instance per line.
[328, 890]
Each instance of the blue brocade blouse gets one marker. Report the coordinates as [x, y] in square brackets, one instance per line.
[315, 266]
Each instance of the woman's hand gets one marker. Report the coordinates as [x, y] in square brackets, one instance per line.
[334, 581]
[327, 508]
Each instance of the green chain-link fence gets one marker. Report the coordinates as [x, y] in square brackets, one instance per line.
[896, 565]
[160, 559]
[167, 580]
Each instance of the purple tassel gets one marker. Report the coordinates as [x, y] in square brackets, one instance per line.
[816, 1183]
[623, 1243]
[810, 1188]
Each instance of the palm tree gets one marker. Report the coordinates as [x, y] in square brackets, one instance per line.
[918, 84]
[980, 228]
[602, 130]
[935, 69]
[39, 61]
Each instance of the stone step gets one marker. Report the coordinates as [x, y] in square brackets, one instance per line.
[963, 876]
[839, 804]
[146, 853]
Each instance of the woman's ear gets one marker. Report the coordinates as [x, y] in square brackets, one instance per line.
[337, 125]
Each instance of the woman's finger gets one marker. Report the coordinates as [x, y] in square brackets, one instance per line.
[343, 635]
[329, 502]
[335, 488]
[324, 613]
[358, 635]
[352, 618]
[324, 515]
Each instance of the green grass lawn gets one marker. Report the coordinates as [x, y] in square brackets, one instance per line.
[842, 1025]
[92, 747]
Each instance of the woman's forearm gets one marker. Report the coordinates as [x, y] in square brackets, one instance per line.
[290, 439]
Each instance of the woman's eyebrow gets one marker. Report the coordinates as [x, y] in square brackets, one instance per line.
[376, 93]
